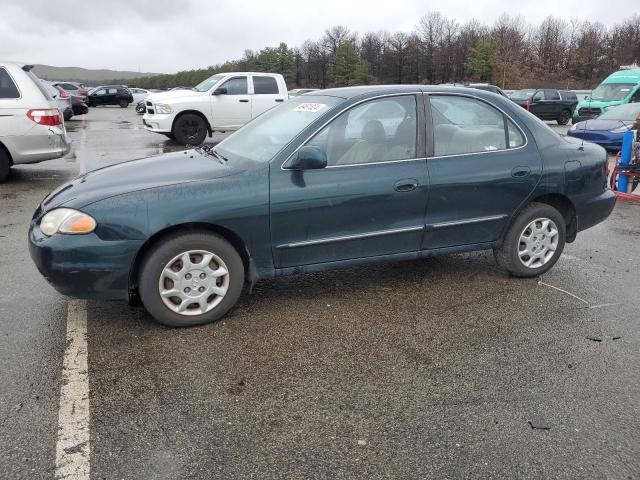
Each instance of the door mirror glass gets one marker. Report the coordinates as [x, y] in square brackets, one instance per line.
[220, 91]
[309, 158]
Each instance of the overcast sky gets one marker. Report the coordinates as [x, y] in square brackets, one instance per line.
[167, 36]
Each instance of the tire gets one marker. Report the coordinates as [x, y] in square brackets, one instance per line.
[189, 129]
[124, 103]
[511, 254]
[564, 117]
[5, 165]
[170, 136]
[163, 263]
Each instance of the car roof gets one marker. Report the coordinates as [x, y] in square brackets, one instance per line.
[373, 90]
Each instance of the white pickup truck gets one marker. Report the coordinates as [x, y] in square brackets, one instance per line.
[223, 102]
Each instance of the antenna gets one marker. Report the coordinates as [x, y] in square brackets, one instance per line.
[586, 122]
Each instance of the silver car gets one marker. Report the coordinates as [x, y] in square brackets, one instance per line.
[31, 125]
[62, 98]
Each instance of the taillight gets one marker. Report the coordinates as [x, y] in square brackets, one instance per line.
[64, 94]
[45, 116]
[527, 105]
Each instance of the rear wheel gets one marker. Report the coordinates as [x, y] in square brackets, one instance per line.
[534, 242]
[5, 165]
[124, 103]
[564, 117]
[190, 129]
[191, 279]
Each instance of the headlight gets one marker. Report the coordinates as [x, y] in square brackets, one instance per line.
[68, 221]
[163, 108]
[574, 126]
[609, 107]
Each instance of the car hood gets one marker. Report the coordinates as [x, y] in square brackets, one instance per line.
[598, 103]
[174, 94]
[600, 125]
[136, 175]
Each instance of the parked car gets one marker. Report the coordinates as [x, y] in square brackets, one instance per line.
[62, 98]
[319, 183]
[31, 125]
[608, 128]
[110, 96]
[547, 104]
[71, 88]
[139, 94]
[141, 108]
[78, 102]
[301, 91]
[619, 88]
[223, 102]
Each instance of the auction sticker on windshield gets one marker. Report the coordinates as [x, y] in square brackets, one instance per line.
[309, 107]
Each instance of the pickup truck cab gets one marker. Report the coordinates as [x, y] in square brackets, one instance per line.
[223, 102]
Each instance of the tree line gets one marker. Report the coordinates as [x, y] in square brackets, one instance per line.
[509, 53]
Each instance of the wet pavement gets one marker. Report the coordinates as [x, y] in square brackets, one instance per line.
[426, 369]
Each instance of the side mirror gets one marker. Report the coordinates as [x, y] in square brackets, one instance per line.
[220, 91]
[309, 158]
[535, 100]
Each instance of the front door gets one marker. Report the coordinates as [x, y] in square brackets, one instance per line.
[231, 106]
[370, 200]
[481, 170]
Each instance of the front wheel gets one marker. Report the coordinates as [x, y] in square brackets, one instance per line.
[534, 242]
[191, 279]
[190, 129]
[5, 165]
[564, 117]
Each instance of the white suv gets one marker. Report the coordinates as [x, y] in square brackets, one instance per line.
[223, 102]
[31, 125]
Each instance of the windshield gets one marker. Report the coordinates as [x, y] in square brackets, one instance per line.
[259, 140]
[626, 113]
[522, 94]
[611, 92]
[208, 83]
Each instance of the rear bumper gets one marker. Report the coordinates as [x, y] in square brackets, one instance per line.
[606, 139]
[595, 210]
[84, 266]
[40, 143]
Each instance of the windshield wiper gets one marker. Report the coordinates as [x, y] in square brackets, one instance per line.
[208, 150]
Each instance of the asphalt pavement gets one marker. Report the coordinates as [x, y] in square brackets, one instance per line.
[425, 369]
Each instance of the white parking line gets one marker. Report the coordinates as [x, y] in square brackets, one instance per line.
[72, 446]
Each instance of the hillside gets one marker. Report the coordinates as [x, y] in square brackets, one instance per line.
[85, 75]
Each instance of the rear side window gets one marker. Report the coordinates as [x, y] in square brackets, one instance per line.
[265, 85]
[8, 89]
[463, 125]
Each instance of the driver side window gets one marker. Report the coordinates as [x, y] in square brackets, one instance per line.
[236, 86]
[379, 130]
[539, 96]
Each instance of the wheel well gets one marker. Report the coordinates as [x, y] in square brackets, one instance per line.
[225, 233]
[196, 112]
[566, 208]
[6, 150]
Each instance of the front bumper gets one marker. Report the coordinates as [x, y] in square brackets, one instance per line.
[595, 210]
[84, 266]
[159, 122]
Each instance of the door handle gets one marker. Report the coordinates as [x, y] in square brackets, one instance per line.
[407, 185]
[520, 171]
[243, 100]
[279, 99]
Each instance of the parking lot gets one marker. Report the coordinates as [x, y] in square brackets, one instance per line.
[426, 369]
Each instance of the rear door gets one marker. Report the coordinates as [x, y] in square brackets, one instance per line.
[231, 109]
[481, 169]
[266, 94]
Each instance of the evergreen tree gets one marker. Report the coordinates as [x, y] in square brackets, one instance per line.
[347, 68]
[483, 60]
